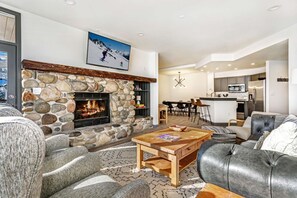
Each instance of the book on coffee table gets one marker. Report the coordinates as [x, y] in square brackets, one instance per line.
[169, 138]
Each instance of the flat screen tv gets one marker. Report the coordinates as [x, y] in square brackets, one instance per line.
[106, 52]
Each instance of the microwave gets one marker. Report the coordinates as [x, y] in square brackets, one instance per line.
[236, 88]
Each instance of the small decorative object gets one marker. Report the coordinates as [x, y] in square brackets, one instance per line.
[169, 138]
[179, 81]
[178, 128]
[139, 106]
[137, 88]
[138, 99]
[219, 95]
[282, 79]
[225, 95]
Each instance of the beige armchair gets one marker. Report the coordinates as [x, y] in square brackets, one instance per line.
[242, 128]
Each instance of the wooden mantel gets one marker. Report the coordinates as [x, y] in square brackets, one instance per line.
[50, 67]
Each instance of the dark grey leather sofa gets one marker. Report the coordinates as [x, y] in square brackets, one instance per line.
[246, 171]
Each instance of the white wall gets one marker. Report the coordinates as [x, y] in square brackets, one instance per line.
[292, 65]
[164, 91]
[154, 71]
[196, 86]
[277, 92]
[46, 40]
[210, 83]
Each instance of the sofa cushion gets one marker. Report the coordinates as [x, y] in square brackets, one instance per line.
[290, 118]
[259, 143]
[282, 139]
[241, 132]
[96, 185]
[61, 157]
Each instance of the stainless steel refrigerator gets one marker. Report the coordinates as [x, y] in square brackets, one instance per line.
[257, 99]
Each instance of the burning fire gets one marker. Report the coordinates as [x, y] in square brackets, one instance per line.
[91, 108]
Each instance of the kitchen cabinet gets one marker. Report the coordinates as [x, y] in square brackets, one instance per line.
[220, 84]
[217, 84]
[240, 80]
[232, 80]
[224, 84]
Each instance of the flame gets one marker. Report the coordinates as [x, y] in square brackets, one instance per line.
[91, 108]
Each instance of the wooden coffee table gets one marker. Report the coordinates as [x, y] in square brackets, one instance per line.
[170, 158]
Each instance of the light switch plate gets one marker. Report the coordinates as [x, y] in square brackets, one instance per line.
[36, 91]
[64, 94]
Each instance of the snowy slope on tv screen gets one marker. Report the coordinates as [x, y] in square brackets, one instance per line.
[106, 52]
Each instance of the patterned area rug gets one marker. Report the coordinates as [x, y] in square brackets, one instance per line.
[119, 162]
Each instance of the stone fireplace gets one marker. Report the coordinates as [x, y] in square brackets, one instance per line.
[65, 99]
[91, 109]
[58, 102]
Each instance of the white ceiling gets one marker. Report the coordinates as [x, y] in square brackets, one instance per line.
[278, 51]
[208, 26]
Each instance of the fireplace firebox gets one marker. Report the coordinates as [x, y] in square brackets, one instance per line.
[91, 109]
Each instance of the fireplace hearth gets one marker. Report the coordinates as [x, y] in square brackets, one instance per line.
[91, 109]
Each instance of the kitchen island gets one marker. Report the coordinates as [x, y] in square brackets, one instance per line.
[221, 109]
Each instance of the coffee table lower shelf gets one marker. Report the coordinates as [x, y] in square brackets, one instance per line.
[163, 166]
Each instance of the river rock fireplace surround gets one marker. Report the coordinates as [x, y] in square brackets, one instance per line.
[54, 97]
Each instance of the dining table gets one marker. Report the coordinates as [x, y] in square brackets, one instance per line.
[188, 104]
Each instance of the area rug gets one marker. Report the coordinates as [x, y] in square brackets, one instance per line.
[119, 162]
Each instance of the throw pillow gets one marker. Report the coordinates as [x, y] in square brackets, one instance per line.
[282, 139]
[290, 118]
[259, 143]
[248, 122]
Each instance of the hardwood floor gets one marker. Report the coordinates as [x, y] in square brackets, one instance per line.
[181, 120]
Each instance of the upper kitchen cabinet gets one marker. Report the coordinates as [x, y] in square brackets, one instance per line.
[220, 84]
[224, 84]
[240, 80]
[217, 84]
[232, 80]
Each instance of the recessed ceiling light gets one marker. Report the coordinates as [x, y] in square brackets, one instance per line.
[70, 2]
[235, 68]
[217, 68]
[274, 8]
[229, 65]
[205, 66]
[181, 16]
[202, 70]
[252, 63]
[140, 34]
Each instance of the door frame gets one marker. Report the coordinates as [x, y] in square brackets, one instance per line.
[18, 56]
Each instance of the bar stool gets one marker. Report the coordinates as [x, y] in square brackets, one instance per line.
[193, 110]
[203, 111]
[181, 108]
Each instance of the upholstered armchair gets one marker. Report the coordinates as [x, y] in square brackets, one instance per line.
[22, 150]
[32, 167]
